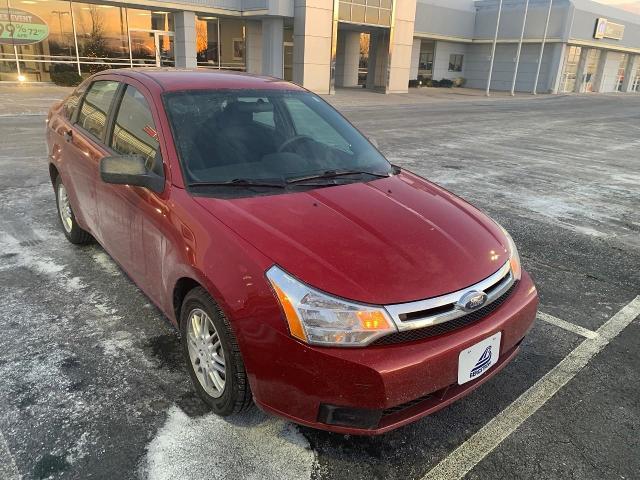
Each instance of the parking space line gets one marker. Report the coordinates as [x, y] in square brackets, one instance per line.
[485, 440]
[8, 467]
[572, 327]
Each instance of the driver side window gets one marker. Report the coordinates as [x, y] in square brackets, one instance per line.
[134, 132]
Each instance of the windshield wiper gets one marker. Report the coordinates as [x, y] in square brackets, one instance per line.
[328, 174]
[241, 182]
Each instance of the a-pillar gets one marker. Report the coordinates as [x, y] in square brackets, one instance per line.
[348, 59]
[313, 30]
[630, 73]
[272, 45]
[185, 39]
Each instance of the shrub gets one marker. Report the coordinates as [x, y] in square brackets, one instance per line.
[65, 75]
[445, 83]
[459, 82]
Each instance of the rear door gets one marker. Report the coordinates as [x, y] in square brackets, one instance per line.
[84, 147]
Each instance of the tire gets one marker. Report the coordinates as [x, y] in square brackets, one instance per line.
[70, 227]
[235, 394]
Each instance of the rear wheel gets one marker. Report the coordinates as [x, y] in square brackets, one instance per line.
[212, 355]
[70, 226]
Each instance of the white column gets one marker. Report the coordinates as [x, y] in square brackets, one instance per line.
[630, 73]
[415, 59]
[185, 39]
[348, 59]
[400, 46]
[312, 39]
[253, 39]
[601, 76]
[374, 44]
[272, 44]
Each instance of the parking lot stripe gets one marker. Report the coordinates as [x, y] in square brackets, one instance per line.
[485, 440]
[572, 327]
[8, 468]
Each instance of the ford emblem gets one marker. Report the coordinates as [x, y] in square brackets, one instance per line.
[471, 301]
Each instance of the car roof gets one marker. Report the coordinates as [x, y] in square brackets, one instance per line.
[172, 79]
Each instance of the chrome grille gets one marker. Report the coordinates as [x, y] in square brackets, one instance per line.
[442, 328]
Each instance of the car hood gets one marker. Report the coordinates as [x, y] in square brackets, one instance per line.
[392, 240]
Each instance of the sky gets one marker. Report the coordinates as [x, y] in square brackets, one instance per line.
[630, 5]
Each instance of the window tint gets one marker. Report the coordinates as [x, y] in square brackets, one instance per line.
[134, 132]
[95, 108]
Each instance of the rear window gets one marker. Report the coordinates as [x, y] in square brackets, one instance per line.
[95, 107]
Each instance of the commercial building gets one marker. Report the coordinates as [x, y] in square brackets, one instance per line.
[324, 44]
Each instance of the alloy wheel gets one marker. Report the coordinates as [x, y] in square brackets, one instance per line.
[64, 207]
[206, 353]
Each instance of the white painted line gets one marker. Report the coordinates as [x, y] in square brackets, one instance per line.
[457, 464]
[8, 468]
[572, 327]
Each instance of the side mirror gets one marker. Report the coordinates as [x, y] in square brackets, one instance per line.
[130, 170]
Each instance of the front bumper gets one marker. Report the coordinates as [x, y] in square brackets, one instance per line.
[393, 384]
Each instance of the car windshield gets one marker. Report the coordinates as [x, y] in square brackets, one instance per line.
[271, 138]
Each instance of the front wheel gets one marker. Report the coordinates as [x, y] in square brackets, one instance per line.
[212, 355]
[70, 226]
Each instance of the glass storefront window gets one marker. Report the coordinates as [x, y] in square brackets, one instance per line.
[150, 20]
[571, 60]
[207, 42]
[101, 31]
[86, 38]
[232, 54]
[622, 67]
[371, 12]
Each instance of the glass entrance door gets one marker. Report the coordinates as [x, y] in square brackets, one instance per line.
[151, 47]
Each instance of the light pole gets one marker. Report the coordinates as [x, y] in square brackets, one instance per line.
[544, 40]
[493, 49]
[60, 13]
[515, 71]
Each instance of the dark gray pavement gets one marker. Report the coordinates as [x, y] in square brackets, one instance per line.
[92, 380]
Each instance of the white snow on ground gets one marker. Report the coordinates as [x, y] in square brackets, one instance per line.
[106, 263]
[254, 446]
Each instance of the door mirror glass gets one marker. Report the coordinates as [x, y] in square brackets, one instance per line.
[130, 170]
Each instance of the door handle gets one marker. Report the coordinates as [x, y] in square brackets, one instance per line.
[68, 135]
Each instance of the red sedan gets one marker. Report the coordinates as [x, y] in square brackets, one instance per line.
[304, 271]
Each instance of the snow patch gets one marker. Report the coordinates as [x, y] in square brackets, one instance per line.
[252, 446]
[106, 263]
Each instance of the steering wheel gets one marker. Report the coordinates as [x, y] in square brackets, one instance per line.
[290, 141]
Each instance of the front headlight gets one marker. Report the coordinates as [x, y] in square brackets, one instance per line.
[514, 256]
[320, 319]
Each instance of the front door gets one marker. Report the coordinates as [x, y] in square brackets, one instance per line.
[152, 48]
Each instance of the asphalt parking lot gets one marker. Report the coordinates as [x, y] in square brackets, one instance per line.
[92, 382]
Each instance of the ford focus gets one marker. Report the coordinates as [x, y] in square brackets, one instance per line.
[304, 271]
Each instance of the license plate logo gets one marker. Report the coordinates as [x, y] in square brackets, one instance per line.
[476, 360]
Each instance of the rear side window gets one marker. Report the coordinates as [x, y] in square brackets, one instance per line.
[72, 102]
[95, 108]
[134, 132]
